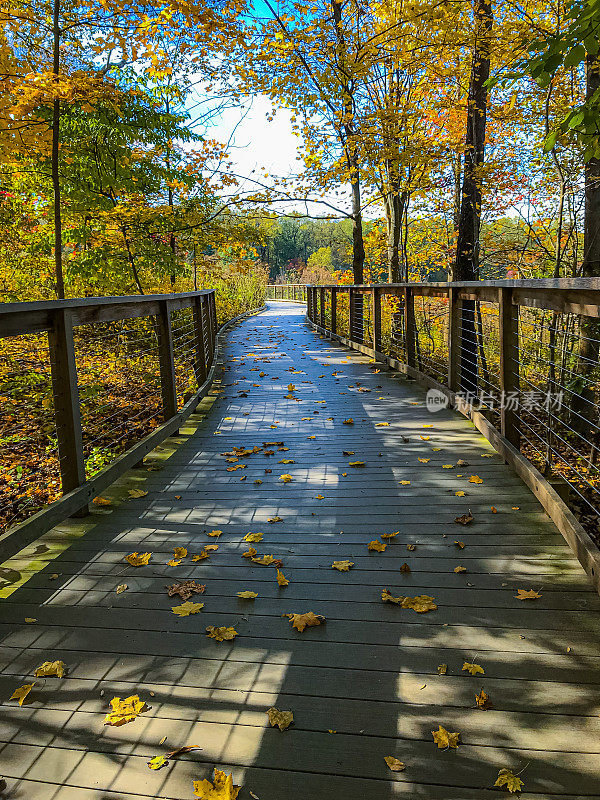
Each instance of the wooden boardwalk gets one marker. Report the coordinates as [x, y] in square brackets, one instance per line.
[364, 685]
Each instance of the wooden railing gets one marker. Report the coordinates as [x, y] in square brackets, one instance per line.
[90, 386]
[520, 358]
[286, 291]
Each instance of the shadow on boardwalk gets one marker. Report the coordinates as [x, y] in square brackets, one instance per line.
[362, 686]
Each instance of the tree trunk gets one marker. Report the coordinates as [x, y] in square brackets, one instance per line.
[58, 268]
[589, 327]
[466, 267]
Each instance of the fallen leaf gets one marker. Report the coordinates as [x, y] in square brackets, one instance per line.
[483, 700]
[507, 778]
[382, 424]
[348, 421]
[30, 619]
[306, 620]
[320, 497]
[424, 460]
[286, 461]
[394, 764]
[466, 519]
[411, 547]
[258, 481]
[221, 788]
[524, 594]
[250, 552]
[268, 561]
[137, 493]
[447, 466]
[460, 494]
[247, 595]
[160, 761]
[460, 545]
[280, 719]
[138, 559]
[124, 710]
[475, 479]
[275, 519]
[209, 548]
[460, 569]
[348, 452]
[444, 738]
[286, 478]
[185, 589]
[462, 463]
[122, 587]
[174, 562]
[356, 464]
[421, 603]
[200, 556]
[215, 534]
[101, 501]
[389, 535]
[253, 537]
[442, 669]
[342, 566]
[185, 609]
[21, 693]
[377, 545]
[405, 483]
[404, 567]
[281, 579]
[50, 669]
[473, 669]
[221, 634]
[493, 509]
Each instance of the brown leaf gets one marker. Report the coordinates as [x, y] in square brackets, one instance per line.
[185, 589]
[466, 519]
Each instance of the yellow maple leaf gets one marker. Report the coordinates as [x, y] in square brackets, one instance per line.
[460, 568]
[411, 547]
[342, 566]
[475, 479]
[180, 552]
[258, 481]
[221, 788]
[21, 693]
[377, 545]
[442, 669]
[461, 545]
[137, 493]
[444, 738]
[250, 552]
[389, 535]
[275, 519]
[291, 387]
[286, 461]
[460, 494]
[507, 778]
[483, 700]
[348, 421]
[387, 597]
[286, 478]
[247, 595]
[174, 562]
[356, 464]
[421, 603]
[424, 460]
[215, 534]
[306, 620]
[405, 483]
[122, 587]
[382, 424]
[101, 501]
[49, 669]
[394, 764]
[138, 559]
[211, 547]
[281, 579]
[524, 594]
[253, 537]
[280, 719]
[320, 497]
[267, 561]
[187, 608]
[200, 556]
[473, 669]
[124, 710]
[221, 634]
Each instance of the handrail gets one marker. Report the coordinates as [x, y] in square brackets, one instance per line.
[167, 341]
[520, 358]
[286, 291]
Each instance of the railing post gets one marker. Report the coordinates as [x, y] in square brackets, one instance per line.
[322, 307]
[333, 309]
[508, 323]
[409, 327]
[168, 386]
[212, 316]
[67, 412]
[376, 312]
[453, 340]
[200, 369]
[351, 314]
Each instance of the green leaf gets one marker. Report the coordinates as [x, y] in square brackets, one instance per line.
[575, 56]
[550, 141]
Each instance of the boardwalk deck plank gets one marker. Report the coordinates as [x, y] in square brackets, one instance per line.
[371, 672]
